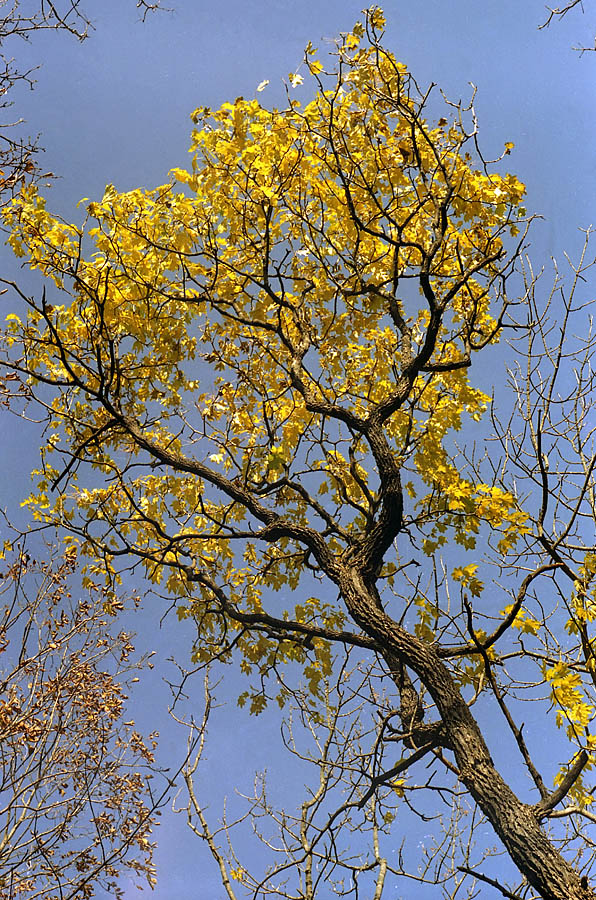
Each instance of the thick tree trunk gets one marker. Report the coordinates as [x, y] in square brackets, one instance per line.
[515, 822]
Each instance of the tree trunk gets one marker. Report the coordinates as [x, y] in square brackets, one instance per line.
[515, 822]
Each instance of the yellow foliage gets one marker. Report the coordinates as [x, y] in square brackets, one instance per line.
[223, 333]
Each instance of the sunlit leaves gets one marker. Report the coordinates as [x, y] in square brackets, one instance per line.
[466, 575]
[230, 338]
[574, 712]
[523, 621]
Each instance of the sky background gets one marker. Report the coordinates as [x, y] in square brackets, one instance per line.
[116, 108]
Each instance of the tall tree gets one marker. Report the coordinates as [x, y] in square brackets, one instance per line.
[253, 382]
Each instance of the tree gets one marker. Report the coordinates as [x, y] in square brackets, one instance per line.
[337, 841]
[253, 377]
[76, 804]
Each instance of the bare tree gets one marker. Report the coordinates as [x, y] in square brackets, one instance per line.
[338, 840]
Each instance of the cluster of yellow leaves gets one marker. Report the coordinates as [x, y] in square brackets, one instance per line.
[427, 614]
[523, 621]
[583, 601]
[574, 712]
[270, 270]
[567, 695]
[466, 575]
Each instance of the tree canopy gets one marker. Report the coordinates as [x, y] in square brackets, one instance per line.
[254, 376]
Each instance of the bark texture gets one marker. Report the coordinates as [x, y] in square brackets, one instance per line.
[515, 822]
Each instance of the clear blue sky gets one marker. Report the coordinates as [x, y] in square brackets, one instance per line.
[116, 109]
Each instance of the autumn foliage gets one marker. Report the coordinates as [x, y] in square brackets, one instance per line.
[254, 376]
[76, 804]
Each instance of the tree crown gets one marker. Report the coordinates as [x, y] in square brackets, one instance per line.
[299, 310]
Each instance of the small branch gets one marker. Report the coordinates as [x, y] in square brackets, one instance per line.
[547, 804]
[517, 732]
[480, 877]
[402, 766]
[475, 646]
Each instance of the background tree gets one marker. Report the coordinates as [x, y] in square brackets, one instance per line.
[77, 806]
[340, 839]
[263, 370]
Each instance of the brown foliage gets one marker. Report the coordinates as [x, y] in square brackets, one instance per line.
[76, 805]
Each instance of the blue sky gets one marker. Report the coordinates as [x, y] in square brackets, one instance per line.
[116, 110]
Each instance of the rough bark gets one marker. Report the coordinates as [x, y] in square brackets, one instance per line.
[515, 822]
